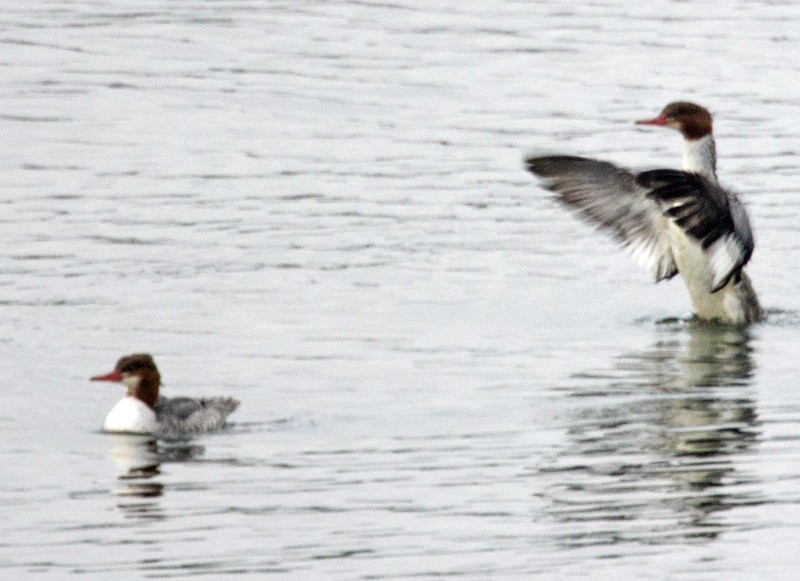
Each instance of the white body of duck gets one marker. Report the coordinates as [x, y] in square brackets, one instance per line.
[131, 415]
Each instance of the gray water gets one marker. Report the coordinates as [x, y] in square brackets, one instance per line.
[320, 209]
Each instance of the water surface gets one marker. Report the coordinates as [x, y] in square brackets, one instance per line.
[320, 209]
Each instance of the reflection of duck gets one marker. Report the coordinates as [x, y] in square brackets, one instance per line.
[140, 458]
[716, 358]
[671, 221]
[143, 411]
[651, 453]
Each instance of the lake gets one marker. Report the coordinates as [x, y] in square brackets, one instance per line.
[320, 208]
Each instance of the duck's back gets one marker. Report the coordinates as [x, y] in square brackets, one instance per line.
[191, 415]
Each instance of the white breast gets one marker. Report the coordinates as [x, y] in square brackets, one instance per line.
[727, 303]
[131, 415]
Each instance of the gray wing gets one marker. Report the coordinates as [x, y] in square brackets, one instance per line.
[712, 216]
[179, 408]
[190, 415]
[611, 198]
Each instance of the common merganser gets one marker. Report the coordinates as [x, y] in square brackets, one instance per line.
[142, 411]
[671, 221]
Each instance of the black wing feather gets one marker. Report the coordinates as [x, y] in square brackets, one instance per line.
[707, 213]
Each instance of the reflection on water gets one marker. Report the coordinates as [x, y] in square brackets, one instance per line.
[651, 453]
[140, 458]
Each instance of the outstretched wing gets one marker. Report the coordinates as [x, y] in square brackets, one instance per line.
[707, 213]
[611, 198]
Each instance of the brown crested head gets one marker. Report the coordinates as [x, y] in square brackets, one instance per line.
[692, 120]
[139, 373]
[136, 363]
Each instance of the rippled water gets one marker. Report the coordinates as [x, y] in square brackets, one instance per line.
[319, 208]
